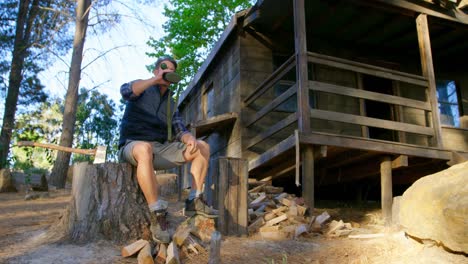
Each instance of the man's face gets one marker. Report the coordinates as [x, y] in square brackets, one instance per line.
[166, 66]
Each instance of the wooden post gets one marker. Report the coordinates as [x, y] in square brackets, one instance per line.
[303, 107]
[215, 248]
[386, 189]
[232, 189]
[424, 40]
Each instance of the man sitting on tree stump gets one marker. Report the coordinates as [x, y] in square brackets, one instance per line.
[144, 143]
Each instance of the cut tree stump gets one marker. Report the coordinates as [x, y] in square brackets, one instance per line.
[106, 203]
[6, 181]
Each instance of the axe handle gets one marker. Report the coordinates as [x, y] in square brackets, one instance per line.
[57, 147]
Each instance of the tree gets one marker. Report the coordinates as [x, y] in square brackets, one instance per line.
[192, 28]
[95, 123]
[59, 171]
[41, 125]
[27, 27]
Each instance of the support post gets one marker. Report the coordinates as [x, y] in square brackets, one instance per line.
[386, 189]
[303, 107]
[427, 65]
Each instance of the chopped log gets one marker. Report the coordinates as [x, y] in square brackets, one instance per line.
[300, 229]
[162, 254]
[172, 254]
[215, 248]
[258, 200]
[6, 181]
[258, 188]
[133, 247]
[181, 234]
[269, 228]
[256, 225]
[281, 196]
[145, 256]
[334, 226]
[276, 220]
[301, 210]
[279, 210]
[287, 202]
[273, 189]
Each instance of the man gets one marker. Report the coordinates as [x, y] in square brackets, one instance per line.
[143, 143]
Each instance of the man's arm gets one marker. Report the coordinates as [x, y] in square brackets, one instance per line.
[182, 133]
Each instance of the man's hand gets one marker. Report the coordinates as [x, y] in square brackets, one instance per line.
[191, 142]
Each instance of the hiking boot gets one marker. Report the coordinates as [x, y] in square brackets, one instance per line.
[198, 206]
[159, 226]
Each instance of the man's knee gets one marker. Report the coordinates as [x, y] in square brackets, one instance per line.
[142, 151]
[204, 148]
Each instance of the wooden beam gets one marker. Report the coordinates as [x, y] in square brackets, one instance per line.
[276, 150]
[374, 96]
[271, 105]
[273, 78]
[205, 127]
[400, 161]
[307, 160]
[272, 130]
[380, 146]
[370, 121]
[367, 69]
[428, 72]
[386, 189]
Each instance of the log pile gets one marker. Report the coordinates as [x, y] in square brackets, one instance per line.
[277, 215]
[192, 237]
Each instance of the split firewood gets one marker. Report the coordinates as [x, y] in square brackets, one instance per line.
[172, 254]
[133, 248]
[269, 228]
[256, 225]
[181, 234]
[258, 188]
[280, 196]
[301, 210]
[300, 229]
[162, 254]
[276, 220]
[287, 202]
[145, 255]
[273, 190]
[258, 200]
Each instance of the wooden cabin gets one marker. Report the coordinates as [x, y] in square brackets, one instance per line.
[336, 94]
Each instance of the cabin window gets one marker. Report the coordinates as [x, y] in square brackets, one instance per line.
[208, 101]
[449, 108]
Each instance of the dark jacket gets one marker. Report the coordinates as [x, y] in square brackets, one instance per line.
[145, 116]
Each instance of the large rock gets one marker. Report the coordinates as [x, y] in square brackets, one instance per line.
[436, 207]
[6, 181]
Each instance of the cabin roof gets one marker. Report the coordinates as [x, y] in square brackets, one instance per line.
[387, 26]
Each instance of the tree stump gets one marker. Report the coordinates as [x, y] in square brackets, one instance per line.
[106, 203]
[6, 181]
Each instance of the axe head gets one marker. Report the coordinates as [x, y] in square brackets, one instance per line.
[100, 156]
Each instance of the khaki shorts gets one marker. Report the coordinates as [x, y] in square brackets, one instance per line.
[165, 156]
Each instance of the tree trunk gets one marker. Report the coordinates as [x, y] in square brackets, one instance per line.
[106, 203]
[59, 171]
[26, 15]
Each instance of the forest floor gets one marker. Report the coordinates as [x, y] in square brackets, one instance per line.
[24, 224]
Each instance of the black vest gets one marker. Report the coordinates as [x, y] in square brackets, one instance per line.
[145, 117]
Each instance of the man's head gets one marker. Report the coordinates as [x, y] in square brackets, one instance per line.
[163, 59]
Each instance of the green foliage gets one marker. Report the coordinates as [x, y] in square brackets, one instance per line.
[192, 28]
[96, 123]
[39, 125]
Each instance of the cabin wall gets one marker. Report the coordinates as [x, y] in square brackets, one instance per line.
[256, 65]
[217, 93]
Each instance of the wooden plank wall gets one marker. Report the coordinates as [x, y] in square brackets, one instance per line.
[228, 193]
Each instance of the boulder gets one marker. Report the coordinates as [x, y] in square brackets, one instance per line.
[436, 207]
[6, 181]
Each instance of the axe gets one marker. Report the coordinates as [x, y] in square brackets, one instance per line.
[99, 153]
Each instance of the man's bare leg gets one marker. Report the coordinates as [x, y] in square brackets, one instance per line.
[199, 169]
[143, 154]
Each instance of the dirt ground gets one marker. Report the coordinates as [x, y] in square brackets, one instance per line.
[24, 224]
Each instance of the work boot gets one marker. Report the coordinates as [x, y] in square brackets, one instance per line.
[159, 226]
[198, 206]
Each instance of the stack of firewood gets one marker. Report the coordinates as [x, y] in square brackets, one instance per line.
[193, 236]
[277, 215]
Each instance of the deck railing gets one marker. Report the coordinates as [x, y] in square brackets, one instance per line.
[397, 124]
